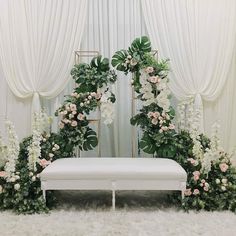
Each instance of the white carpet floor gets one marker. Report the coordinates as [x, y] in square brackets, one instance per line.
[138, 214]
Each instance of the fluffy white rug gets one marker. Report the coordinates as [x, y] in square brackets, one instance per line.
[136, 215]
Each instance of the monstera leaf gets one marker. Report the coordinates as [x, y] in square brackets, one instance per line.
[142, 44]
[90, 140]
[100, 64]
[147, 144]
[118, 60]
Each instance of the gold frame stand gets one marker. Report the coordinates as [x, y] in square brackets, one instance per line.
[78, 57]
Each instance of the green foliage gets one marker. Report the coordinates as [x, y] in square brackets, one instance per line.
[140, 45]
[118, 60]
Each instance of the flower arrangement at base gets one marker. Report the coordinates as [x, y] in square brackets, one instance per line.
[22, 163]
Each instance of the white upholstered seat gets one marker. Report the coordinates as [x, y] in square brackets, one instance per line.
[114, 168]
[113, 174]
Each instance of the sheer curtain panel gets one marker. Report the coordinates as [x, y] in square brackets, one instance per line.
[37, 43]
[199, 38]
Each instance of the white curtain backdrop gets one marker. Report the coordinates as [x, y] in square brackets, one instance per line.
[199, 38]
[37, 40]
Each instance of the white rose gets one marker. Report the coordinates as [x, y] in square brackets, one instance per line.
[12, 179]
[30, 173]
[54, 149]
[33, 178]
[51, 155]
[16, 187]
[224, 181]
[89, 97]
[217, 181]
[223, 188]
[81, 104]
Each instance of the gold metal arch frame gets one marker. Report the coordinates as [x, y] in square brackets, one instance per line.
[79, 55]
[134, 110]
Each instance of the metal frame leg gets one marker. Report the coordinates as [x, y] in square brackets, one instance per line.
[113, 200]
[44, 194]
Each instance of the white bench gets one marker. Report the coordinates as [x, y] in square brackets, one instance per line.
[113, 174]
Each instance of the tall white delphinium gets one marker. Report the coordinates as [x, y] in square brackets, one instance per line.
[3, 152]
[13, 149]
[215, 152]
[40, 124]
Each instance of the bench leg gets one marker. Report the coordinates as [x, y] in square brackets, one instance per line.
[44, 194]
[113, 200]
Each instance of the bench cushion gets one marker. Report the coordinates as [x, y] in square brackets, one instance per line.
[114, 169]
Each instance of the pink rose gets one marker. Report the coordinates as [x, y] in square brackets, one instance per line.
[149, 69]
[74, 123]
[196, 191]
[150, 114]
[154, 121]
[153, 79]
[223, 167]
[44, 163]
[164, 128]
[196, 173]
[61, 125]
[74, 112]
[80, 116]
[171, 126]
[73, 107]
[196, 177]
[188, 192]
[156, 114]
[98, 96]
[3, 173]
[206, 188]
[191, 160]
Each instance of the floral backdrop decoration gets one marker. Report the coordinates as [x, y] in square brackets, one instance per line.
[211, 183]
[22, 162]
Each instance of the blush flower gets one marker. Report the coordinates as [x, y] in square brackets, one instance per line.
[149, 69]
[196, 191]
[81, 116]
[156, 114]
[73, 107]
[74, 123]
[153, 79]
[150, 114]
[223, 167]
[2, 173]
[188, 192]
[43, 162]
[171, 126]
[154, 121]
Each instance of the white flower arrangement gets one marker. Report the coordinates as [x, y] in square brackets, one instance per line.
[107, 108]
[3, 152]
[13, 148]
[40, 124]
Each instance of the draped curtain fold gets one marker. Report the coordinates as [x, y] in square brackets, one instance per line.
[199, 38]
[37, 43]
